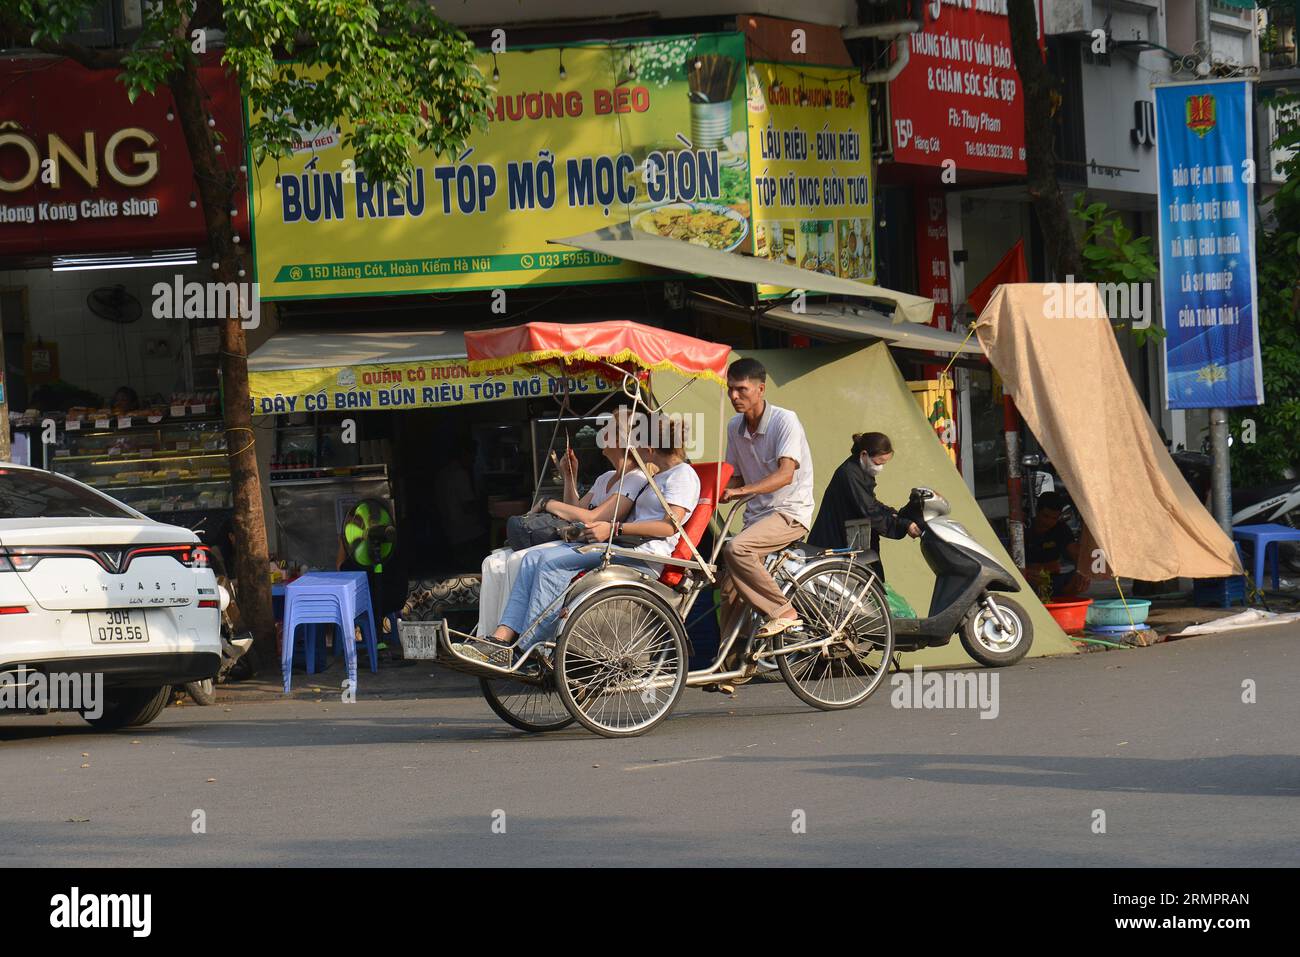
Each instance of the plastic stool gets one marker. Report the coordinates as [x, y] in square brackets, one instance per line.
[313, 648]
[329, 598]
[1219, 592]
[1259, 538]
[312, 614]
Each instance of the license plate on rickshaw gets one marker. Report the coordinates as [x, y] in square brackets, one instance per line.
[420, 638]
[118, 627]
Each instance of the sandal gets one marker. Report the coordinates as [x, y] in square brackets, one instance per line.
[775, 626]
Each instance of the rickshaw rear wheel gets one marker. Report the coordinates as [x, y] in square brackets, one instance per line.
[845, 599]
[621, 662]
[528, 707]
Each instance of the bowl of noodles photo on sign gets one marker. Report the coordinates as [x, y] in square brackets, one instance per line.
[703, 224]
[825, 246]
[850, 248]
[690, 149]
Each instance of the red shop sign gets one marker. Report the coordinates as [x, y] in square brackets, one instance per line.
[959, 96]
[932, 254]
[82, 169]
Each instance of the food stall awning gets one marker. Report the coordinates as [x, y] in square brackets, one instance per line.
[600, 345]
[844, 324]
[336, 370]
[625, 242]
[312, 349]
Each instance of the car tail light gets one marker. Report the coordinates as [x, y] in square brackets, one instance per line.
[208, 603]
[17, 562]
[24, 559]
[13, 609]
[191, 556]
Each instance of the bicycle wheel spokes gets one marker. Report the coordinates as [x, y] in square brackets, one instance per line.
[848, 635]
[529, 707]
[623, 663]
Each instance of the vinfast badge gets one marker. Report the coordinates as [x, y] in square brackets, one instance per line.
[1207, 245]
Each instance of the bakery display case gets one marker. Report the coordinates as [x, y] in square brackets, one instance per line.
[161, 467]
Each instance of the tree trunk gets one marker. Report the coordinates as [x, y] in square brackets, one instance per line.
[4, 403]
[218, 189]
[1041, 99]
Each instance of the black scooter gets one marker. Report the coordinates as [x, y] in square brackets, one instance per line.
[995, 631]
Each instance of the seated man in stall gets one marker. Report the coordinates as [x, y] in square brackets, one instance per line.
[544, 574]
[1050, 546]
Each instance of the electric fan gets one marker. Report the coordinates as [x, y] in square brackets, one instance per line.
[369, 534]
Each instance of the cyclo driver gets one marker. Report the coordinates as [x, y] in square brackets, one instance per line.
[769, 451]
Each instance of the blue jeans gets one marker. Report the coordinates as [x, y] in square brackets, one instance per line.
[544, 575]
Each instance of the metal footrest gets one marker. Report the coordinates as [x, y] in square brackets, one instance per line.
[448, 657]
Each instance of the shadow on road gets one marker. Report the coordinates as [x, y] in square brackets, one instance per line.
[1256, 775]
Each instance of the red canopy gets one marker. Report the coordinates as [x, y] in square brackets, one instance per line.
[619, 343]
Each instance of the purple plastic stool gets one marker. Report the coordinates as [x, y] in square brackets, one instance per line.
[329, 598]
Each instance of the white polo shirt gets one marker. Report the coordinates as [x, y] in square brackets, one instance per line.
[780, 435]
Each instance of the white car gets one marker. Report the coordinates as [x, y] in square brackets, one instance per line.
[91, 587]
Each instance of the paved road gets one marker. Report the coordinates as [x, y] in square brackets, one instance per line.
[1159, 739]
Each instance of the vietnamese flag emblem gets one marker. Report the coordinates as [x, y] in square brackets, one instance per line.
[1201, 113]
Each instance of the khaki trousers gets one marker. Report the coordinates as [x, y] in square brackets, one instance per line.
[746, 581]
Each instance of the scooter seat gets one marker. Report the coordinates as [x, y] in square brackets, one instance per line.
[807, 553]
[1249, 497]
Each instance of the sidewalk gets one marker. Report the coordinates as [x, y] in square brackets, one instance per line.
[396, 679]
[1171, 613]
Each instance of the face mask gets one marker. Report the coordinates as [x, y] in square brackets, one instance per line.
[869, 466]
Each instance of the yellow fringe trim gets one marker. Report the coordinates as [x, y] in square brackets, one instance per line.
[487, 366]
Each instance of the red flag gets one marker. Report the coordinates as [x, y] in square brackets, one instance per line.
[1011, 269]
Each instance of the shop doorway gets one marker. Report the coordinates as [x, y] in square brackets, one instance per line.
[13, 329]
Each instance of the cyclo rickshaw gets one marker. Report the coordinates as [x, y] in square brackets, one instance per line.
[619, 658]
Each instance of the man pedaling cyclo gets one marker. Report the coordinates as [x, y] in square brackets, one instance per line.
[768, 449]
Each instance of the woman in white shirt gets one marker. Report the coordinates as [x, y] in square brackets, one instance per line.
[544, 575]
[610, 498]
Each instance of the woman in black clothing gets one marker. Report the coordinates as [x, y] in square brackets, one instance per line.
[851, 495]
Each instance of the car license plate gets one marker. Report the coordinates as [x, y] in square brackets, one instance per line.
[118, 627]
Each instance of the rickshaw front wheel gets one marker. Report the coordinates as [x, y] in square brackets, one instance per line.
[621, 662]
[528, 707]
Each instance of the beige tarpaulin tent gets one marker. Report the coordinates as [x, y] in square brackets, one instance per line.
[1069, 382]
[839, 390]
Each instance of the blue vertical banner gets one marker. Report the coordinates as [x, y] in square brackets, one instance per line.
[1207, 244]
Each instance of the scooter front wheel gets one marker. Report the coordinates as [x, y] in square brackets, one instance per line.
[988, 639]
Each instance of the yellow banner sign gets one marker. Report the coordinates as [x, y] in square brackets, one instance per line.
[810, 150]
[581, 137]
[405, 385]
